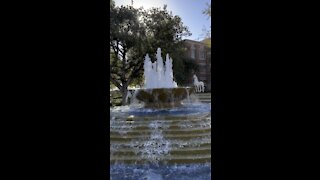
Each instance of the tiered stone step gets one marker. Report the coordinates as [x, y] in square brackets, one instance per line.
[204, 97]
[166, 140]
[170, 160]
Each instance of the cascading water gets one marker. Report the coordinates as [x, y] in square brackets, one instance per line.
[153, 142]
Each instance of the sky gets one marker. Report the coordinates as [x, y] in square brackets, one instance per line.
[190, 12]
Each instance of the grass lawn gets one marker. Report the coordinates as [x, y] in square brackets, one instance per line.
[115, 98]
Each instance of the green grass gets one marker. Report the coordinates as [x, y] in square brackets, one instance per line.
[116, 98]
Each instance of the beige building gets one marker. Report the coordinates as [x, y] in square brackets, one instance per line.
[201, 54]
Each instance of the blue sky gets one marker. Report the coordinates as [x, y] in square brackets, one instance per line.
[189, 10]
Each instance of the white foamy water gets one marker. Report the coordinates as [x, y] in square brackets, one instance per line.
[158, 74]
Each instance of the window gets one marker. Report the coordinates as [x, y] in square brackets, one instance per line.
[193, 52]
[202, 54]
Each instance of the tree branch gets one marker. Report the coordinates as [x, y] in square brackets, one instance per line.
[115, 83]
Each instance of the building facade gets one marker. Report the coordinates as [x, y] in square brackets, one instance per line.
[201, 54]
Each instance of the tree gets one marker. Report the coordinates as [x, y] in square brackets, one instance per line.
[112, 4]
[136, 32]
[207, 11]
[126, 35]
[166, 31]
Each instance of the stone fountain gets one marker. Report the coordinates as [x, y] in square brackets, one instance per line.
[167, 138]
[161, 91]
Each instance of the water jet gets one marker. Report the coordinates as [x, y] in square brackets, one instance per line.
[161, 91]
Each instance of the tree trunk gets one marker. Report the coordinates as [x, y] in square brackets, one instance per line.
[124, 92]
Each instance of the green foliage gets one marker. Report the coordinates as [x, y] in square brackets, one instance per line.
[183, 69]
[166, 31]
[136, 32]
[207, 11]
[112, 4]
[126, 34]
[207, 42]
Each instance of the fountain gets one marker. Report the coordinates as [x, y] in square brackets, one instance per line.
[168, 136]
[161, 91]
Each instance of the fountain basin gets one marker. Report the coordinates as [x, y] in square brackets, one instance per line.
[163, 97]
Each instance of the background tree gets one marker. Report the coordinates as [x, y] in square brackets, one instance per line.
[207, 11]
[207, 33]
[136, 32]
[126, 35]
[166, 31]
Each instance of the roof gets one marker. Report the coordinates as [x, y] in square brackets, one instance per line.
[206, 42]
[193, 41]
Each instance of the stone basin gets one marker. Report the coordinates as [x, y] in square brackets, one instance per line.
[163, 97]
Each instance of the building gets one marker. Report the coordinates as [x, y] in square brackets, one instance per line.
[201, 54]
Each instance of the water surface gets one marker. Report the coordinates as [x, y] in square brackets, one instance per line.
[161, 144]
